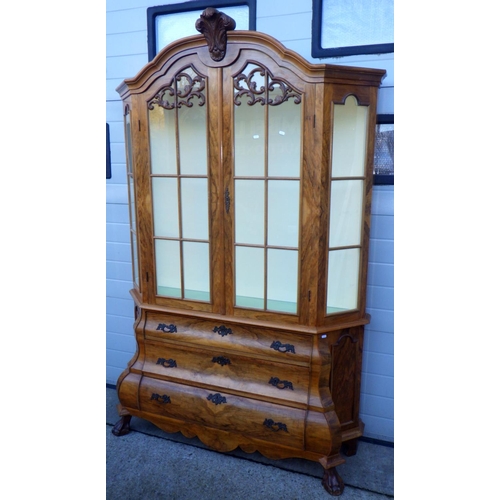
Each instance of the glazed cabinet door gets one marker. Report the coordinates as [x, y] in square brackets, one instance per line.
[263, 179]
[183, 188]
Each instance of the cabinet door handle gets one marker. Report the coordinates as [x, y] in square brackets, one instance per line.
[161, 399]
[278, 346]
[275, 426]
[167, 328]
[167, 363]
[222, 330]
[281, 384]
[221, 360]
[217, 399]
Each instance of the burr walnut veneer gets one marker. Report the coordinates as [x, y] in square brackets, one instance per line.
[250, 180]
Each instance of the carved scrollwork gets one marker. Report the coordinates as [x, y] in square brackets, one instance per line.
[260, 86]
[182, 89]
[214, 25]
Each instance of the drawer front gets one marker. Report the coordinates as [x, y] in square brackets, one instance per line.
[281, 346]
[224, 411]
[228, 371]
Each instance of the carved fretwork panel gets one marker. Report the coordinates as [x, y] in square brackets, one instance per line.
[259, 85]
[186, 85]
[345, 375]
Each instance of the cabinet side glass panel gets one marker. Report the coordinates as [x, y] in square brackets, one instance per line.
[349, 138]
[346, 204]
[132, 206]
[267, 161]
[347, 187]
[179, 180]
[343, 274]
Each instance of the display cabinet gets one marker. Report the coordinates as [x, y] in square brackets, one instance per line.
[250, 180]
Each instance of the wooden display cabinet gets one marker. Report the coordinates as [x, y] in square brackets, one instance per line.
[250, 181]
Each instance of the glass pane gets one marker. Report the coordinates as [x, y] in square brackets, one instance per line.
[366, 22]
[132, 202]
[250, 277]
[249, 139]
[346, 205]
[249, 211]
[162, 140]
[128, 139]
[284, 139]
[165, 207]
[283, 213]
[135, 258]
[193, 139]
[194, 193]
[349, 139]
[343, 273]
[196, 271]
[168, 268]
[282, 271]
[170, 27]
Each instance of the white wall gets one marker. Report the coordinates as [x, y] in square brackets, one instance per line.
[290, 22]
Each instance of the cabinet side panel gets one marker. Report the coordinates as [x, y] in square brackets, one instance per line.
[345, 378]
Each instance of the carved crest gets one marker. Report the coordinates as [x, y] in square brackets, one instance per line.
[214, 25]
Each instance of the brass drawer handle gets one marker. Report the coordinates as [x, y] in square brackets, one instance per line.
[167, 328]
[217, 399]
[161, 399]
[222, 330]
[167, 363]
[278, 346]
[221, 360]
[281, 384]
[275, 426]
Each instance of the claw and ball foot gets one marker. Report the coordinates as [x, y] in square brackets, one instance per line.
[122, 427]
[332, 482]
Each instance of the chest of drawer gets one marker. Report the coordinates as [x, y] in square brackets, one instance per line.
[280, 345]
[224, 411]
[223, 370]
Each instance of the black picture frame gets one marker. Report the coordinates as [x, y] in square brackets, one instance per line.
[154, 12]
[318, 51]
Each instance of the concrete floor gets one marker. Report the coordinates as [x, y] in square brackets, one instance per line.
[149, 464]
